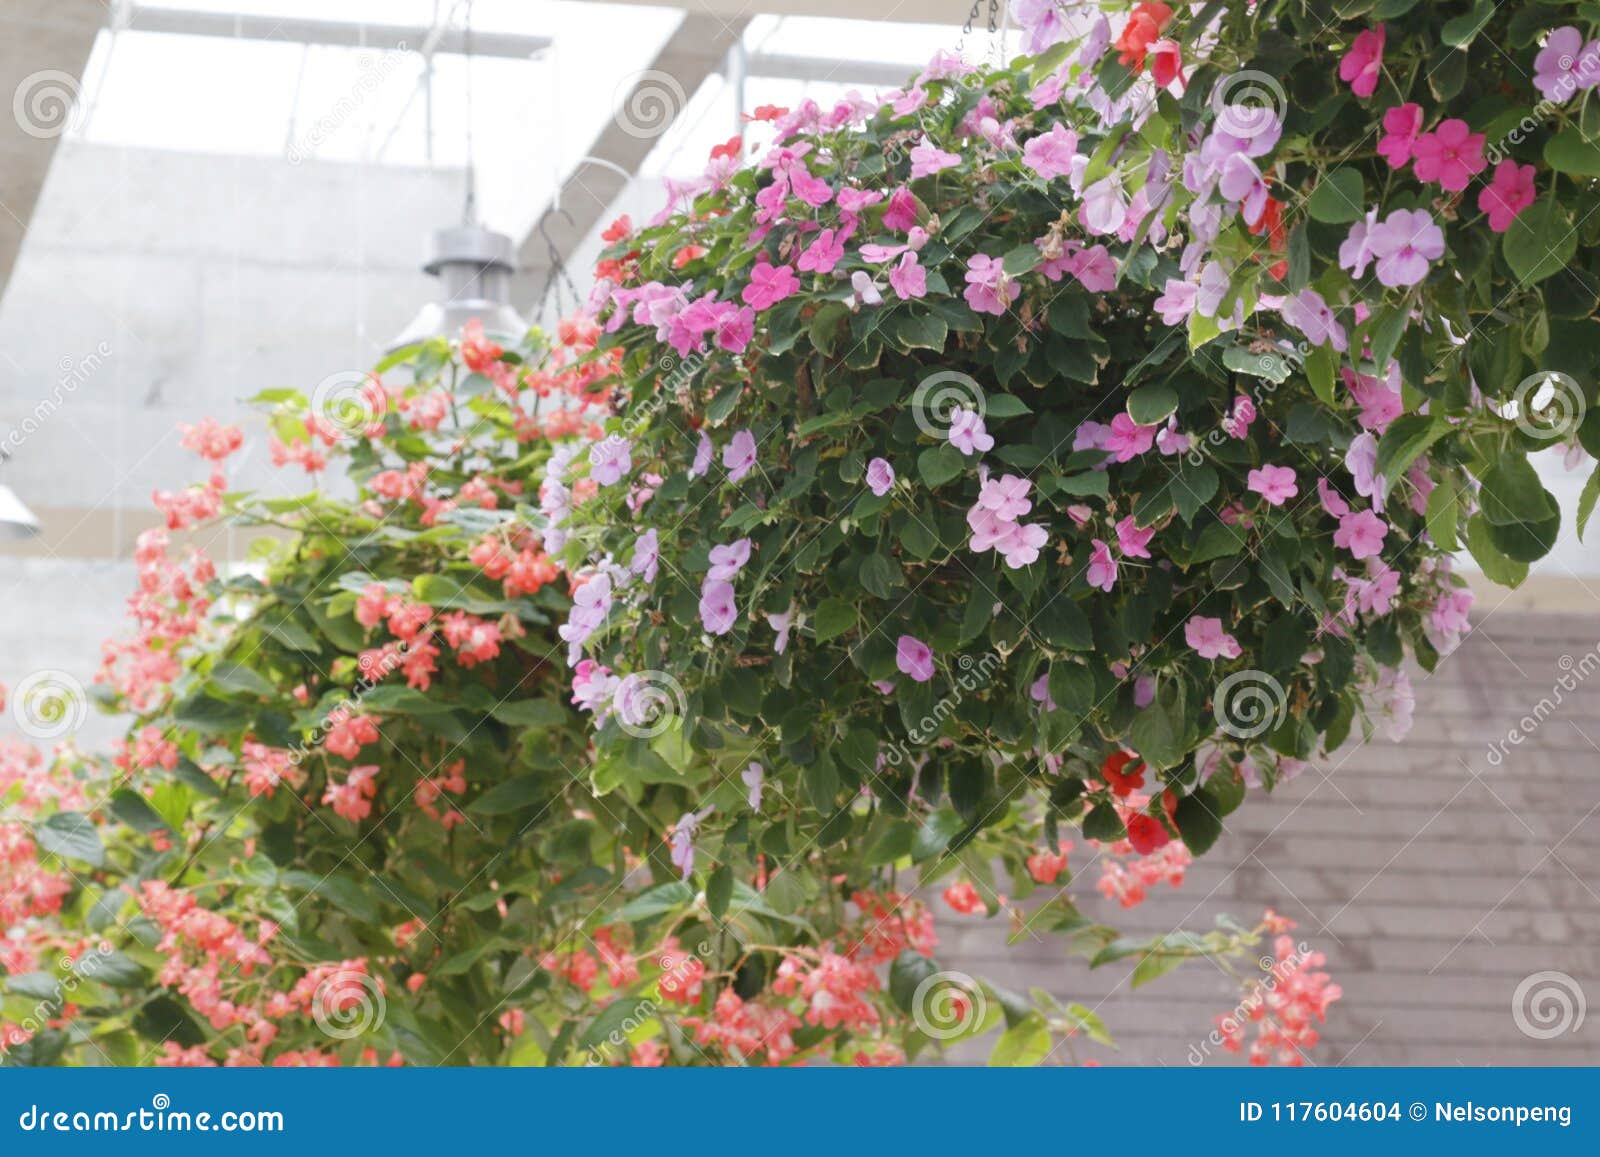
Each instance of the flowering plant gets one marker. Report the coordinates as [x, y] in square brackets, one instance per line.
[1083, 442]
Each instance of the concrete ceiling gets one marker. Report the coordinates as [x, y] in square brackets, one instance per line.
[44, 45]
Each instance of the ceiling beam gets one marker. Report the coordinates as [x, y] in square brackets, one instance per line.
[645, 111]
[44, 45]
[333, 33]
[951, 12]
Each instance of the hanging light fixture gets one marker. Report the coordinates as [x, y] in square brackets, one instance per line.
[16, 520]
[473, 263]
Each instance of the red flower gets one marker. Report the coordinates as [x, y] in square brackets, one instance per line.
[1143, 30]
[963, 897]
[732, 148]
[617, 230]
[767, 112]
[1166, 62]
[1122, 782]
[1147, 834]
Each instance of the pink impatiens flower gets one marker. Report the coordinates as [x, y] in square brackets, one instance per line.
[1361, 533]
[609, 460]
[1565, 65]
[908, 279]
[1127, 439]
[880, 476]
[1401, 126]
[1050, 154]
[1362, 65]
[967, 432]
[1275, 484]
[1102, 567]
[769, 284]
[1209, 640]
[1133, 541]
[1508, 194]
[914, 658]
[928, 159]
[1404, 243]
[739, 455]
[1451, 155]
[989, 289]
[718, 611]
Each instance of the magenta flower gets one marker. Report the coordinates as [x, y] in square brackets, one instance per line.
[1508, 194]
[736, 329]
[1355, 253]
[1209, 640]
[739, 455]
[1401, 126]
[781, 622]
[1361, 534]
[1133, 541]
[880, 476]
[908, 279]
[769, 284]
[1332, 501]
[927, 159]
[1404, 244]
[1450, 155]
[718, 611]
[988, 290]
[913, 658]
[1275, 484]
[1309, 313]
[1127, 439]
[1102, 567]
[646, 556]
[1050, 154]
[967, 432]
[609, 460]
[826, 251]
[1362, 65]
[901, 214]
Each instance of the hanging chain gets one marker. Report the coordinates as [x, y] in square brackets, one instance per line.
[966, 29]
[994, 16]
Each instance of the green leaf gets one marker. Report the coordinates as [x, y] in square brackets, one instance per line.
[939, 464]
[1102, 823]
[72, 836]
[1005, 406]
[1406, 439]
[1149, 405]
[614, 1020]
[1570, 152]
[1461, 31]
[1497, 568]
[920, 331]
[1021, 259]
[657, 901]
[1511, 493]
[531, 714]
[1444, 515]
[1153, 966]
[1340, 197]
[832, 618]
[1023, 1045]
[719, 890]
[511, 795]
[1540, 242]
[133, 809]
[1199, 819]
[1586, 501]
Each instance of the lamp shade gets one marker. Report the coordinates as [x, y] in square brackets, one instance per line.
[474, 267]
[16, 520]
